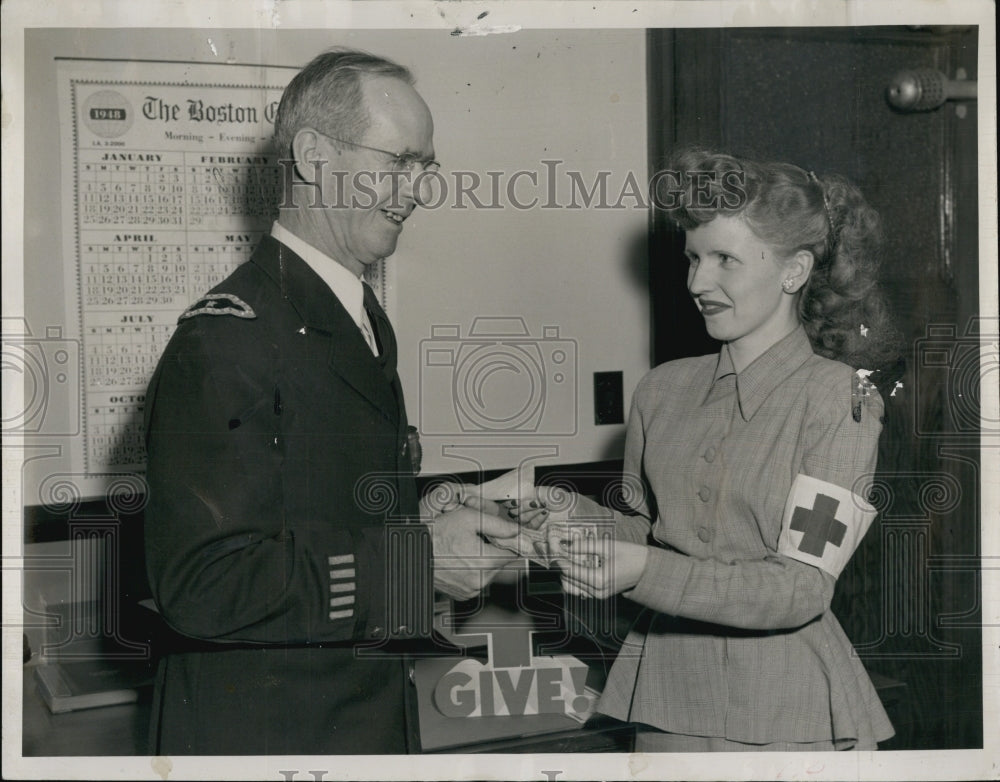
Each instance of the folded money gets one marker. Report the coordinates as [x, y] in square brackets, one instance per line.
[547, 544]
[550, 541]
[532, 544]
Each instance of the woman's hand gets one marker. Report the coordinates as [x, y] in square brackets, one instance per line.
[532, 514]
[556, 503]
[600, 567]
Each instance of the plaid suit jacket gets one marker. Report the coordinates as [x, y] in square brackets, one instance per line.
[739, 641]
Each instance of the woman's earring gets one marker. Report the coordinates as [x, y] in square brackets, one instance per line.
[787, 284]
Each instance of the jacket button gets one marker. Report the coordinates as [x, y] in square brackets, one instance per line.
[704, 494]
[704, 534]
[709, 454]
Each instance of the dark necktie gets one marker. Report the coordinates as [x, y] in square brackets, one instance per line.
[384, 336]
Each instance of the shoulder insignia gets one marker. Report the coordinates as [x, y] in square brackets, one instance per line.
[219, 304]
[861, 388]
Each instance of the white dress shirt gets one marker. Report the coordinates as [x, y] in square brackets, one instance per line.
[345, 286]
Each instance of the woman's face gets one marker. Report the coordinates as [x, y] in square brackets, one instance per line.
[735, 279]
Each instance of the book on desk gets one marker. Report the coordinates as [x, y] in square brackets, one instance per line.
[87, 684]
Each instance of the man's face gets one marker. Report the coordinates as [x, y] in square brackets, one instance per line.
[370, 204]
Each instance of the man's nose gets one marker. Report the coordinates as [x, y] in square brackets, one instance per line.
[421, 187]
[402, 184]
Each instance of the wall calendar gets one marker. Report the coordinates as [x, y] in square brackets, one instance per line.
[169, 182]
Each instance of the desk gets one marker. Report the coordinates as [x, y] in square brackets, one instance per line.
[600, 734]
[122, 731]
[546, 733]
[102, 732]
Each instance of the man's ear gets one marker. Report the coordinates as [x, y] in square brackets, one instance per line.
[310, 155]
[799, 268]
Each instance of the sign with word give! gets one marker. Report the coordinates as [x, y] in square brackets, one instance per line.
[552, 685]
[514, 682]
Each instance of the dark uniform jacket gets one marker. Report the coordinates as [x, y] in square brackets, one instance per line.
[277, 539]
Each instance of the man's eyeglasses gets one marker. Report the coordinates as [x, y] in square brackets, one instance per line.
[405, 163]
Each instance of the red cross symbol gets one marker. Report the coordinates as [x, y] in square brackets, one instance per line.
[819, 525]
[511, 647]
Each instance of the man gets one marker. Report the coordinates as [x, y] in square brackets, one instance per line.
[282, 535]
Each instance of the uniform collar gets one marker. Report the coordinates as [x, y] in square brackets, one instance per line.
[765, 373]
[345, 286]
[321, 311]
[302, 287]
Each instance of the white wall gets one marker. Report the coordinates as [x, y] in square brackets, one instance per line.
[501, 103]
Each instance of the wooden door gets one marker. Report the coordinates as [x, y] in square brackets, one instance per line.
[910, 600]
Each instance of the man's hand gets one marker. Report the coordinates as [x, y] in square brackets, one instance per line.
[447, 496]
[441, 498]
[464, 561]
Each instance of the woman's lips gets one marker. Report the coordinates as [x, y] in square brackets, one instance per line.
[709, 307]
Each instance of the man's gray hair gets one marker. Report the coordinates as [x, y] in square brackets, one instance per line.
[326, 95]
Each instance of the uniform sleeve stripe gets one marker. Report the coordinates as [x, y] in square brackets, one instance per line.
[344, 587]
[346, 600]
[343, 559]
[346, 614]
[342, 573]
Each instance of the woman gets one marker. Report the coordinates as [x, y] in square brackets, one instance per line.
[753, 464]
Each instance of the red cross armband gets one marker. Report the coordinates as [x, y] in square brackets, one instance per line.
[823, 524]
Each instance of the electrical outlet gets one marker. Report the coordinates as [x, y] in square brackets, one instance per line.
[609, 405]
